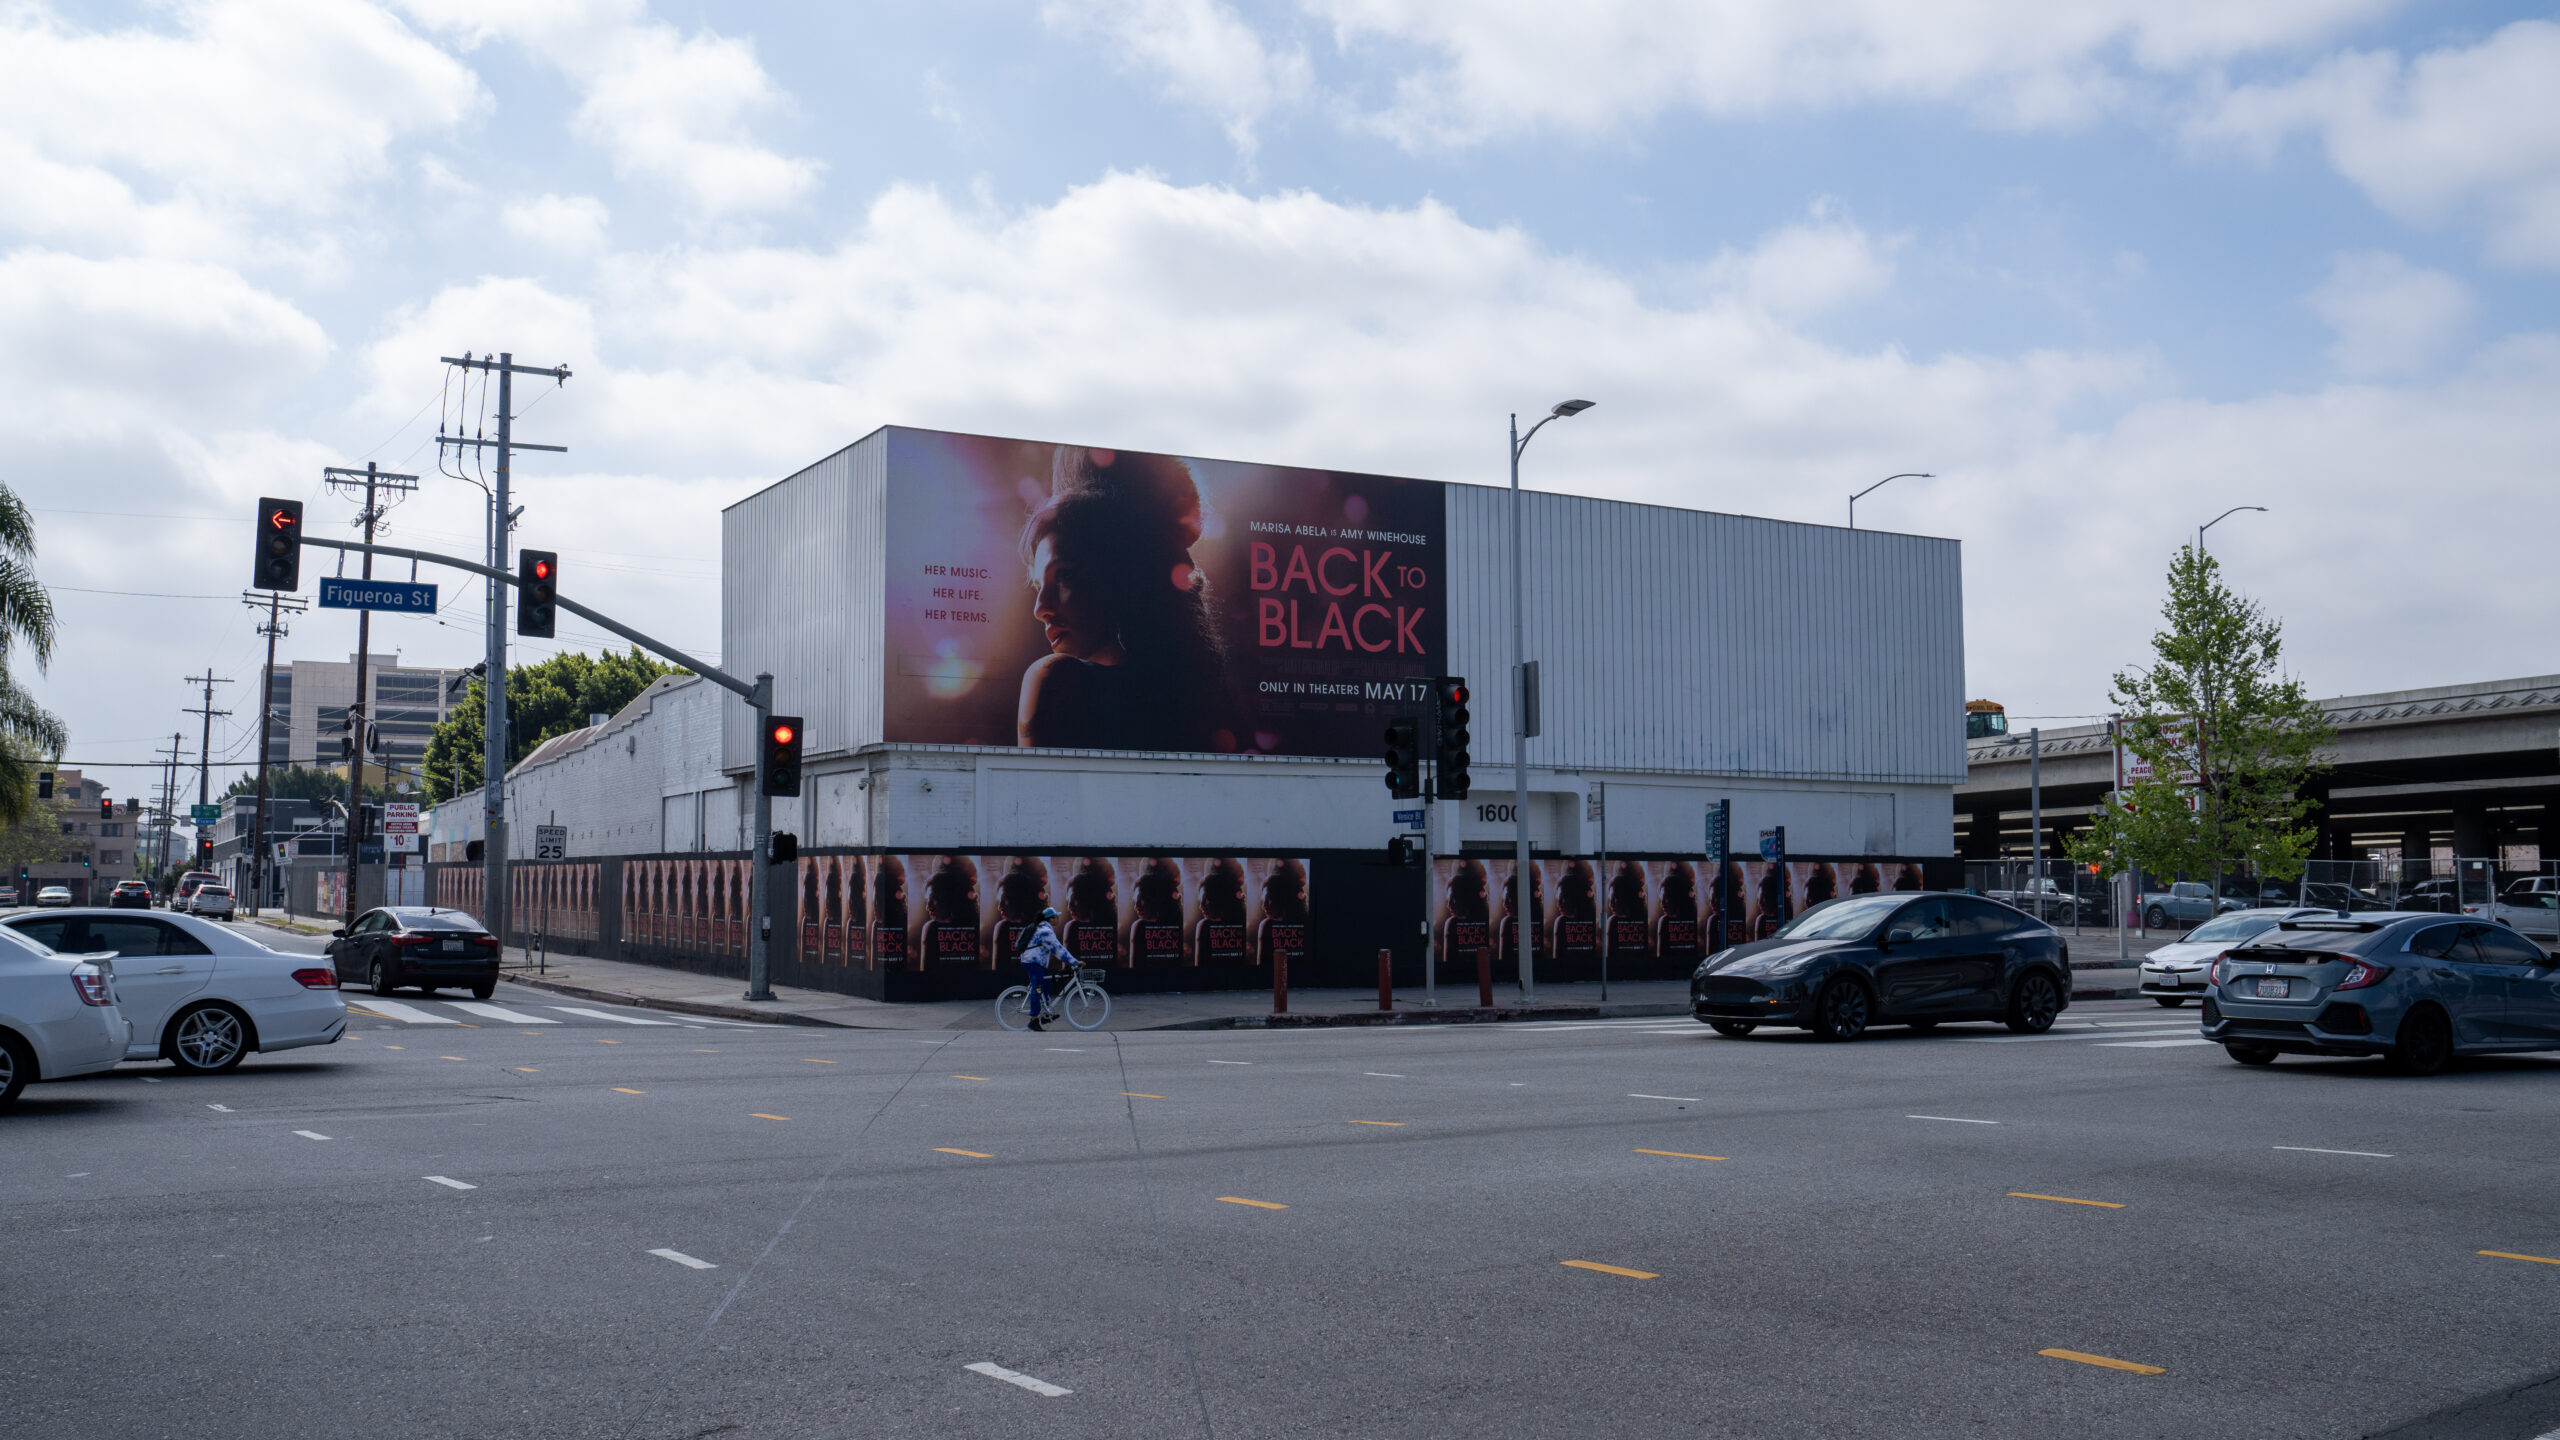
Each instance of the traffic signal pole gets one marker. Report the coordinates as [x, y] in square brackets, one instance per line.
[759, 867]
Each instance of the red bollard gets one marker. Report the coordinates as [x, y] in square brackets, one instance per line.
[1484, 977]
[1386, 979]
[1279, 981]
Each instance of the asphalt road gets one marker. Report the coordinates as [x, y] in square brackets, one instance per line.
[596, 1228]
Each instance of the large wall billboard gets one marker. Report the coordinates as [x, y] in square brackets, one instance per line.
[1071, 597]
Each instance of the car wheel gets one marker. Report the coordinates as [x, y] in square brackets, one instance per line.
[2034, 1003]
[2424, 1044]
[17, 1067]
[2170, 1002]
[2155, 918]
[484, 990]
[1840, 1011]
[379, 979]
[1733, 1029]
[2251, 1054]
[207, 1040]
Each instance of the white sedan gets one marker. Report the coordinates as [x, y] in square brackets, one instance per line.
[2175, 973]
[58, 1016]
[199, 995]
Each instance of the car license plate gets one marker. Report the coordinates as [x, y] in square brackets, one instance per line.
[2273, 988]
[451, 947]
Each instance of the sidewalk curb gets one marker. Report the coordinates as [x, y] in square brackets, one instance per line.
[1454, 1015]
[679, 1007]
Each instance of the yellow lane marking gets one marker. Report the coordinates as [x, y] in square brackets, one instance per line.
[1378, 1122]
[2085, 1359]
[626, 1090]
[466, 1027]
[968, 1077]
[1680, 1155]
[2065, 1200]
[805, 1060]
[1140, 1095]
[1256, 1204]
[527, 1070]
[454, 1057]
[1611, 1269]
[972, 1154]
[2511, 1255]
[395, 1047]
[368, 1014]
[608, 1042]
[536, 1034]
[760, 1115]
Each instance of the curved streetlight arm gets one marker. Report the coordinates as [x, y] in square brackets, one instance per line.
[2218, 519]
[1870, 490]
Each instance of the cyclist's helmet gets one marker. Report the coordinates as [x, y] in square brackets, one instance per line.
[1048, 914]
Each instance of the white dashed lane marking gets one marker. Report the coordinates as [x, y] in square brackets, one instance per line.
[994, 1371]
[449, 1182]
[684, 1260]
[310, 1134]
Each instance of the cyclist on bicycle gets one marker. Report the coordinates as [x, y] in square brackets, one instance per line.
[1040, 951]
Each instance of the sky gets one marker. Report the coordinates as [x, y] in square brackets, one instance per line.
[2104, 270]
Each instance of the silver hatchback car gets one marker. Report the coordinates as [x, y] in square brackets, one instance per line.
[2417, 989]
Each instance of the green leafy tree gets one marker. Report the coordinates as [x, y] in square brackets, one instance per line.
[304, 782]
[2228, 738]
[30, 736]
[544, 700]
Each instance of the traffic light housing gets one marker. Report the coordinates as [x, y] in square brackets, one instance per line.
[44, 784]
[279, 559]
[1404, 757]
[106, 808]
[782, 755]
[786, 849]
[538, 582]
[1449, 734]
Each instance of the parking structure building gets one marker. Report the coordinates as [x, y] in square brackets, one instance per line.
[1151, 692]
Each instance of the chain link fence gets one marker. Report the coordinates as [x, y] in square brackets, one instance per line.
[2517, 891]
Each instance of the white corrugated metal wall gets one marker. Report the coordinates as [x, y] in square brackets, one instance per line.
[803, 593]
[1677, 640]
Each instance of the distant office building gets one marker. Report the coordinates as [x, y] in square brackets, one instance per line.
[309, 701]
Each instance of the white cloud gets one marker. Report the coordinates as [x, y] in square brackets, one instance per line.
[1806, 269]
[1207, 55]
[567, 224]
[674, 109]
[2391, 317]
[1507, 66]
[173, 141]
[2469, 133]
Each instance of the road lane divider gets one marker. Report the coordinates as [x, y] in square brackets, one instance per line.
[2081, 1357]
[1951, 1119]
[1683, 1099]
[1389, 1123]
[972, 1154]
[1680, 1155]
[225, 1109]
[2316, 1150]
[994, 1371]
[805, 1060]
[1609, 1269]
[310, 1134]
[2511, 1255]
[980, 1078]
[760, 1115]
[2065, 1200]
[1230, 1062]
[449, 1182]
[1140, 1095]
[625, 1090]
[1256, 1204]
[684, 1260]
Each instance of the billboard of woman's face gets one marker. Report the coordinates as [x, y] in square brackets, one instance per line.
[1071, 596]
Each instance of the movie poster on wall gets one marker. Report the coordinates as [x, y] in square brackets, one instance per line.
[1474, 904]
[1074, 597]
[1769, 895]
[975, 912]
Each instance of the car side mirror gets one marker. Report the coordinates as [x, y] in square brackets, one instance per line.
[340, 934]
[1899, 935]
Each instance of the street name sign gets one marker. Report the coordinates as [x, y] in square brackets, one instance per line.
[398, 596]
[205, 814]
[1411, 819]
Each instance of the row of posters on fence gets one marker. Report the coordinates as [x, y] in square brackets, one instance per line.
[973, 912]
[1636, 909]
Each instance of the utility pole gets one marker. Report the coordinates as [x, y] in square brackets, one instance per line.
[204, 749]
[278, 606]
[360, 714]
[493, 686]
[169, 797]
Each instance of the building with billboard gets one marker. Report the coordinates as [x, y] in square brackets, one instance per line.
[1151, 691]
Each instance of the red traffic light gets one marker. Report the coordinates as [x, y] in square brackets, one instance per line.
[1458, 694]
[782, 734]
[282, 519]
[541, 569]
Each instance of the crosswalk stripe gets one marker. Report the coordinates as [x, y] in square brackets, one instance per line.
[406, 1014]
[608, 1015]
[500, 1012]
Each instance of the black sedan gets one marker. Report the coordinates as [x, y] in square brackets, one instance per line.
[1898, 959]
[417, 945]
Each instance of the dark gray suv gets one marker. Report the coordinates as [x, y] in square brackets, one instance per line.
[1892, 959]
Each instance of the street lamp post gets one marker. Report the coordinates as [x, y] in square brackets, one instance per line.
[1870, 490]
[1522, 722]
[2218, 519]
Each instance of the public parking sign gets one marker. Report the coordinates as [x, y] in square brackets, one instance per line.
[550, 842]
[399, 818]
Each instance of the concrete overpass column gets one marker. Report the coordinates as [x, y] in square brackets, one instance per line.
[2471, 831]
[1982, 835]
[2416, 850]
